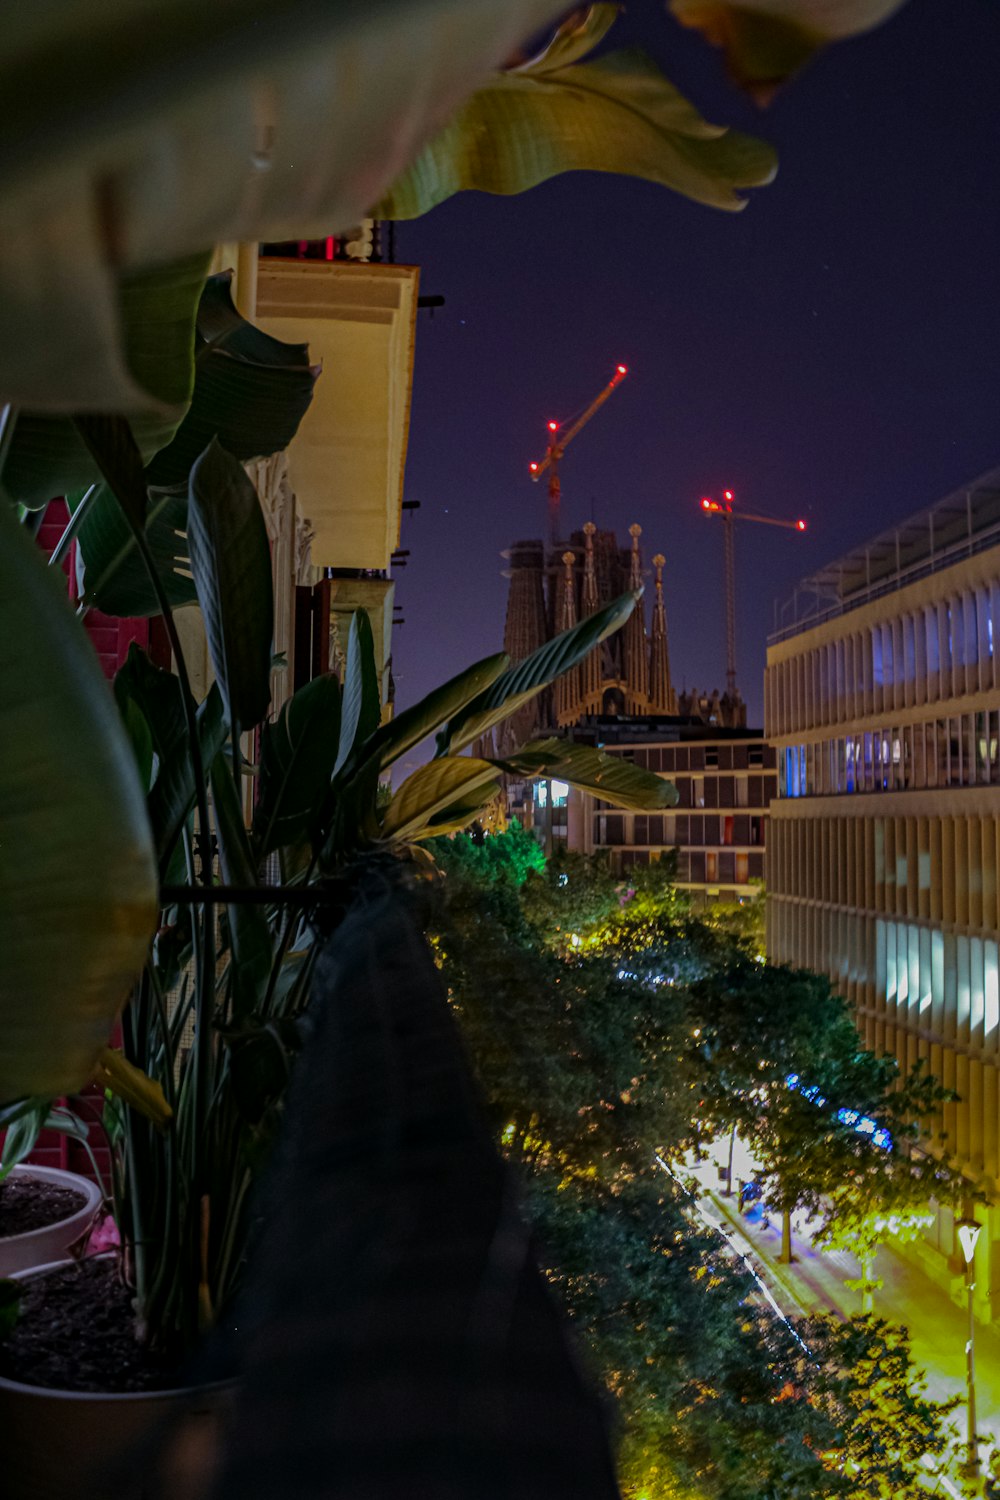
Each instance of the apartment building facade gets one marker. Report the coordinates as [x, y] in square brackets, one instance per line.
[882, 700]
[725, 779]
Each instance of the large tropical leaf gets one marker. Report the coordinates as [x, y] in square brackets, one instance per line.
[251, 391]
[607, 776]
[136, 133]
[767, 40]
[362, 707]
[433, 788]
[157, 694]
[77, 867]
[231, 563]
[250, 936]
[520, 683]
[414, 724]
[616, 114]
[111, 573]
[298, 752]
[156, 310]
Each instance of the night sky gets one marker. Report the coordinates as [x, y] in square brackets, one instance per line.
[830, 352]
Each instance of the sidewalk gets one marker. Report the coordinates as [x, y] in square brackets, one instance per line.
[814, 1282]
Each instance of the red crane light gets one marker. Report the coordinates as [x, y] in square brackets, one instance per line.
[553, 426]
[800, 525]
[706, 504]
[727, 494]
[533, 468]
[622, 370]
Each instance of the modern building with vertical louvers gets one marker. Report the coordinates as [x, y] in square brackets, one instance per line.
[882, 701]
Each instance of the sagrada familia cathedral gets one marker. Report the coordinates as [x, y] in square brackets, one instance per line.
[626, 676]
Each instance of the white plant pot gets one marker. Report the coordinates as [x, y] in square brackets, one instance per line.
[39, 1247]
[91, 1445]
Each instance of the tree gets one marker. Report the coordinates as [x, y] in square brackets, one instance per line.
[590, 1066]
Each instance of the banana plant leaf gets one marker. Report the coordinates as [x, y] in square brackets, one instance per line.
[362, 707]
[408, 728]
[77, 864]
[251, 391]
[136, 134]
[520, 683]
[298, 752]
[765, 41]
[112, 575]
[435, 788]
[615, 114]
[250, 936]
[231, 563]
[607, 776]
[156, 310]
[156, 695]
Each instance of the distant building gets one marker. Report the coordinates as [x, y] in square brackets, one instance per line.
[883, 702]
[628, 674]
[725, 779]
[623, 700]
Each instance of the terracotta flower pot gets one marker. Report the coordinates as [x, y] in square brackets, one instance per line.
[82, 1445]
[39, 1247]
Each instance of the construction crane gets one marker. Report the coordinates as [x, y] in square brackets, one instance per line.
[724, 509]
[559, 441]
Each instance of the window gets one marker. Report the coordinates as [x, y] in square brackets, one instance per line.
[697, 791]
[756, 756]
[742, 869]
[726, 825]
[742, 791]
[711, 866]
[711, 759]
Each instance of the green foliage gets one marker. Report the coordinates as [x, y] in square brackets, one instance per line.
[558, 114]
[492, 858]
[765, 41]
[77, 867]
[654, 1035]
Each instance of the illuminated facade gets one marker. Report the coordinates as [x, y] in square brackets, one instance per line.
[882, 700]
[725, 780]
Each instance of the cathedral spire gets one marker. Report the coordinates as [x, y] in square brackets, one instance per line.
[662, 698]
[568, 685]
[635, 648]
[591, 668]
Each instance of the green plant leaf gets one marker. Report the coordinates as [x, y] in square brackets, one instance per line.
[768, 40]
[135, 134]
[616, 114]
[248, 928]
[231, 563]
[414, 724]
[457, 817]
[112, 574]
[157, 695]
[251, 391]
[362, 707]
[77, 865]
[23, 1127]
[520, 683]
[298, 753]
[606, 776]
[578, 35]
[434, 788]
[156, 310]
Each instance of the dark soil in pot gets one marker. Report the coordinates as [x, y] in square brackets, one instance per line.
[28, 1203]
[75, 1332]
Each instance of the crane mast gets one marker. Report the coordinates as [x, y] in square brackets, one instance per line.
[724, 510]
[559, 441]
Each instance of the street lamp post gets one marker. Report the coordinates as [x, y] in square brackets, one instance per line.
[968, 1234]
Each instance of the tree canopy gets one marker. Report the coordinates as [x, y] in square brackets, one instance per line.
[610, 1027]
